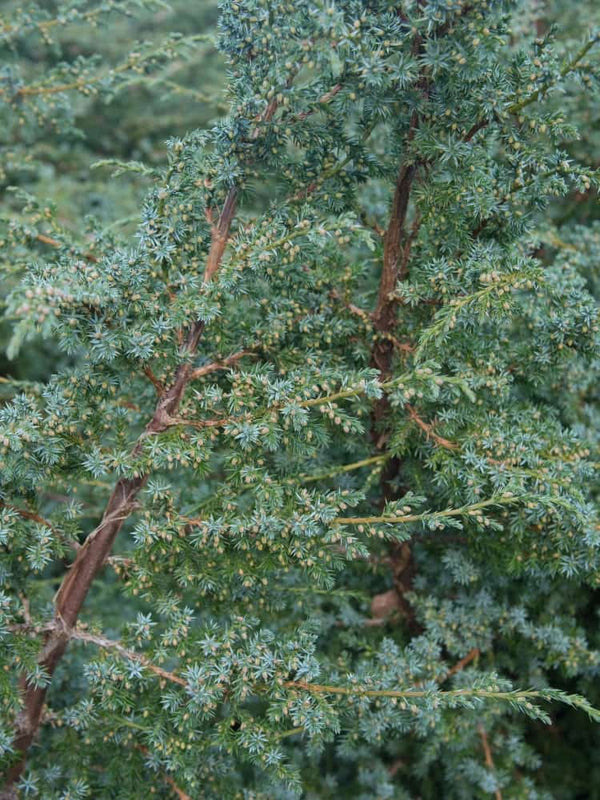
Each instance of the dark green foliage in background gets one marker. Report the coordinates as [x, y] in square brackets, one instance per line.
[364, 560]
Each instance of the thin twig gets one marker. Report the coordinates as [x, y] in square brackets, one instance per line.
[41, 237]
[199, 372]
[167, 778]
[487, 751]
[130, 655]
[365, 462]
[460, 665]
[22, 512]
[428, 429]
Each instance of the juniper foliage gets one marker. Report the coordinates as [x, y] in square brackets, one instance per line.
[85, 89]
[311, 505]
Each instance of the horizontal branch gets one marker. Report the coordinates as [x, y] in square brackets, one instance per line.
[41, 237]
[130, 655]
[525, 695]
[199, 372]
[468, 510]
[30, 515]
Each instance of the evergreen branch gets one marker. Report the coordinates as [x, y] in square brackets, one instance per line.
[123, 167]
[467, 510]
[446, 317]
[521, 696]
[200, 97]
[343, 394]
[25, 514]
[517, 106]
[569, 66]
[321, 402]
[130, 655]
[85, 83]
[9, 32]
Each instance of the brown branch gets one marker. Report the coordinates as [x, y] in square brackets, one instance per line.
[429, 430]
[475, 129]
[41, 237]
[402, 347]
[397, 250]
[372, 224]
[199, 372]
[220, 230]
[27, 514]
[154, 380]
[393, 270]
[460, 665]
[354, 309]
[480, 226]
[220, 235]
[487, 752]
[22, 512]
[217, 422]
[406, 251]
[383, 606]
[179, 792]
[323, 100]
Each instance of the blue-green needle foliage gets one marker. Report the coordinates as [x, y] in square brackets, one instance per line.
[83, 89]
[333, 409]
